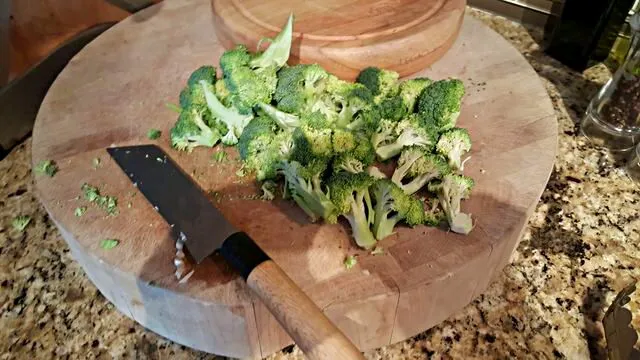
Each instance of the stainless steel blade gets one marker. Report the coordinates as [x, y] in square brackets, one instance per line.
[180, 201]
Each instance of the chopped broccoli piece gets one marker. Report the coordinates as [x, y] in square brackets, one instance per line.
[190, 131]
[380, 82]
[268, 190]
[109, 244]
[311, 142]
[451, 191]
[230, 117]
[453, 144]
[374, 172]
[409, 91]
[278, 51]
[350, 261]
[79, 211]
[219, 156]
[206, 73]
[304, 185]
[21, 222]
[285, 120]
[301, 90]
[392, 206]
[343, 141]
[351, 99]
[262, 148]
[354, 159]
[47, 167]
[420, 166]
[105, 202]
[153, 134]
[408, 132]
[433, 215]
[350, 194]
[440, 102]
[392, 108]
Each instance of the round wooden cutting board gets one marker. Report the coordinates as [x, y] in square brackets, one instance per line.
[115, 90]
[345, 36]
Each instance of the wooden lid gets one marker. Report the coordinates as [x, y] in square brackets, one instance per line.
[346, 35]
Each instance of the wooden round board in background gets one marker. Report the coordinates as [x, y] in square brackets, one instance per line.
[346, 36]
[116, 89]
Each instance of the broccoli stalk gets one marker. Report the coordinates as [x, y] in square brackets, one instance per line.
[285, 120]
[453, 144]
[392, 206]
[451, 191]
[350, 194]
[422, 167]
[304, 186]
[234, 121]
[409, 132]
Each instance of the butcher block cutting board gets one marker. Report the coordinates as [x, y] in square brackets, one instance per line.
[116, 89]
[345, 36]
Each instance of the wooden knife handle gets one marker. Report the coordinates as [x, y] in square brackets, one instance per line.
[307, 325]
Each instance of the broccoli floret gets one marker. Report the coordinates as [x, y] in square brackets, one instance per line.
[310, 142]
[408, 132]
[230, 117]
[350, 194]
[376, 173]
[191, 131]
[206, 73]
[262, 147]
[21, 222]
[420, 166]
[222, 93]
[409, 91]
[453, 144]
[47, 167]
[384, 133]
[439, 103]
[256, 136]
[451, 191]
[285, 120]
[268, 190]
[381, 83]
[392, 206]
[351, 99]
[433, 214]
[192, 95]
[301, 90]
[356, 153]
[392, 108]
[304, 185]
[343, 141]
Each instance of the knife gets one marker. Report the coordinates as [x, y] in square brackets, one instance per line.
[204, 230]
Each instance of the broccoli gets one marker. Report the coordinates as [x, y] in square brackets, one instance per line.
[301, 90]
[433, 215]
[392, 108]
[355, 153]
[232, 119]
[251, 78]
[453, 144]
[21, 222]
[268, 190]
[350, 261]
[376, 173]
[382, 83]
[285, 120]
[351, 99]
[311, 141]
[439, 103]
[409, 91]
[191, 131]
[206, 73]
[422, 167]
[193, 95]
[451, 191]
[153, 134]
[47, 167]
[407, 132]
[392, 206]
[350, 194]
[262, 148]
[343, 141]
[304, 185]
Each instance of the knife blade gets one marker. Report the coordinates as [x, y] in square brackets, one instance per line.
[204, 229]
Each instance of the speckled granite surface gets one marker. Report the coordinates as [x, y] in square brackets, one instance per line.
[582, 245]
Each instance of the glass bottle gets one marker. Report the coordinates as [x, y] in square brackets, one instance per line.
[612, 119]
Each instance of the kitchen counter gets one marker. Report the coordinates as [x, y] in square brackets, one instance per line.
[581, 246]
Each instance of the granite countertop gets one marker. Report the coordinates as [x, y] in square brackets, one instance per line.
[582, 245]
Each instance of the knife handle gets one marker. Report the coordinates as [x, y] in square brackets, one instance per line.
[307, 325]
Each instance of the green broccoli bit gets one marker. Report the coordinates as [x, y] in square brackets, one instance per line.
[392, 206]
[107, 203]
[350, 195]
[153, 134]
[268, 190]
[79, 211]
[392, 108]
[440, 102]
[350, 261]
[453, 144]
[109, 244]
[380, 82]
[451, 191]
[419, 166]
[220, 156]
[234, 121]
[351, 99]
[262, 148]
[305, 187]
[278, 51]
[206, 73]
[190, 131]
[285, 120]
[310, 142]
[357, 159]
[409, 91]
[47, 167]
[301, 89]
[408, 132]
[21, 222]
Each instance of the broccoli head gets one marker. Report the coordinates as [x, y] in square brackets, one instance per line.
[408, 132]
[191, 131]
[384, 133]
[380, 82]
[409, 91]
[206, 73]
[350, 99]
[453, 144]
[393, 205]
[305, 187]
[262, 147]
[311, 141]
[350, 195]
[230, 117]
[357, 157]
[451, 191]
[420, 166]
[301, 89]
[440, 102]
[391, 107]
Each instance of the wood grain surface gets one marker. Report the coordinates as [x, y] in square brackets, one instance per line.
[348, 35]
[116, 89]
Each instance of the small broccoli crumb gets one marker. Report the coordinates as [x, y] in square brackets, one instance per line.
[47, 167]
[268, 190]
[173, 107]
[79, 211]
[379, 250]
[219, 156]
[95, 162]
[107, 203]
[21, 222]
[109, 244]
[154, 134]
[350, 261]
